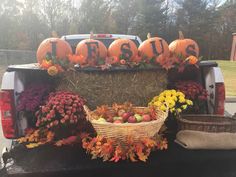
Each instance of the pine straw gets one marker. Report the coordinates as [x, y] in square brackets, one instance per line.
[107, 87]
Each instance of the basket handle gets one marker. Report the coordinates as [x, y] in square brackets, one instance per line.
[88, 113]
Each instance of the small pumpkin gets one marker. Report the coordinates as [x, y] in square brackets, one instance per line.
[154, 47]
[123, 49]
[91, 49]
[184, 47]
[53, 46]
[192, 60]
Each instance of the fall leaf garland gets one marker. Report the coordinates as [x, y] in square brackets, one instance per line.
[111, 150]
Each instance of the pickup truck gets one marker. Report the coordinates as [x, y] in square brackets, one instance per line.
[71, 161]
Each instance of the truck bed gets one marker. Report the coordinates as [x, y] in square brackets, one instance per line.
[73, 161]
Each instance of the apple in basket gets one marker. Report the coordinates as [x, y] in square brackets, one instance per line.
[118, 121]
[121, 112]
[132, 119]
[117, 118]
[110, 119]
[146, 118]
[138, 117]
[101, 120]
[125, 116]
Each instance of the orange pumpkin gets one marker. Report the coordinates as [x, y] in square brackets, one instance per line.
[184, 47]
[91, 49]
[123, 49]
[154, 47]
[53, 46]
[192, 60]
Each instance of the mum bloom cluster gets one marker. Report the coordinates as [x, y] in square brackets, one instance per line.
[173, 100]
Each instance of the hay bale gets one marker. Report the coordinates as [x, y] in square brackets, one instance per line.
[107, 87]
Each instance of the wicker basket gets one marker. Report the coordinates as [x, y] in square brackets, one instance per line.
[124, 130]
[207, 123]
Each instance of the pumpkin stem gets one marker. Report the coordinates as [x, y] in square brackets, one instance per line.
[91, 35]
[54, 34]
[181, 35]
[149, 35]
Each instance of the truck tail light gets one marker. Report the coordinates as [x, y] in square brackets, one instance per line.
[220, 98]
[7, 113]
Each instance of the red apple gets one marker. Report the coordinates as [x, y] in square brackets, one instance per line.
[118, 121]
[121, 112]
[125, 116]
[110, 119]
[146, 118]
[132, 119]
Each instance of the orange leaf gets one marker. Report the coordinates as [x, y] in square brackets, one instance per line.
[46, 64]
[67, 141]
[149, 143]
[102, 110]
[117, 154]
[139, 151]
[163, 144]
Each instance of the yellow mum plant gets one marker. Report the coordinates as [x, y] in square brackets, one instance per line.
[171, 100]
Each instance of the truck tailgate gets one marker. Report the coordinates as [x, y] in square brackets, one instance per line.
[73, 161]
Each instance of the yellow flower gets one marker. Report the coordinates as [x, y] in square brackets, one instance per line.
[163, 108]
[52, 70]
[168, 98]
[171, 104]
[180, 94]
[161, 98]
[167, 93]
[182, 99]
[179, 110]
[173, 92]
[174, 98]
[155, 98]
[162, 94]
[189, 102]
[157, 103]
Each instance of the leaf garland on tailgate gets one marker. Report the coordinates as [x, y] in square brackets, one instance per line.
[113, 150]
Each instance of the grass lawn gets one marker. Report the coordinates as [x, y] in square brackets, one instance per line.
[229, 71]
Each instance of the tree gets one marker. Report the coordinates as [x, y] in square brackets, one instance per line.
[93, 16]
[56, 13]
[123, 13]
[150, 17]
[33, 28]
[10, 12]
[226, 25]
[191, 19]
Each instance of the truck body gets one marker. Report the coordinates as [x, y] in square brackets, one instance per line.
[16, 78]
